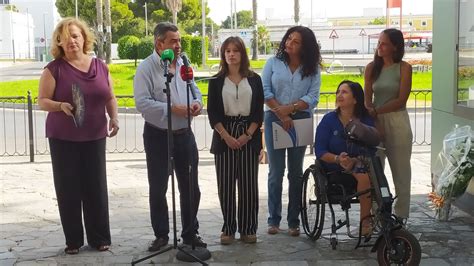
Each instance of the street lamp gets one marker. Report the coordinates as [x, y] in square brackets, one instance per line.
[12, 36]
[76, 9]
[203, 50]
[146, 20]
[44, 36]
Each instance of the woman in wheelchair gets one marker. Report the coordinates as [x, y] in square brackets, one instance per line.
[337, 156]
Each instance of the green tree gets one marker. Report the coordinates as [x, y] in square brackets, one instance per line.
[244, 20]
[264, 44]
[174, 6]
[378, 21]
[86, 10]
[123, 19]
[134, 27]
[188, 19]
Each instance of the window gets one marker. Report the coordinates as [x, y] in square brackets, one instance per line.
[465, 49]
[424, 23]
[410, 23]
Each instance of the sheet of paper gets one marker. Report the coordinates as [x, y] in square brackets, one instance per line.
[301, 134]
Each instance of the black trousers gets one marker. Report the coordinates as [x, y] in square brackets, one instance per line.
[238, 169]
[81, 187]
[185, 154]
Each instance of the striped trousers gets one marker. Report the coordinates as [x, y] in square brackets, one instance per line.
[238, 169]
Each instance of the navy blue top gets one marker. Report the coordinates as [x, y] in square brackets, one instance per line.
[330, 137]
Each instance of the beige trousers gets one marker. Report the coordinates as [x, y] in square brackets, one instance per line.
[396, 131]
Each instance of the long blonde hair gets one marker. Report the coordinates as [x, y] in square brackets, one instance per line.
[62, 30]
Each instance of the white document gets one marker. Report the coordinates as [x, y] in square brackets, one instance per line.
[301, 134]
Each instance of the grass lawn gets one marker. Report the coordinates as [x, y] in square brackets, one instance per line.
[122, 75]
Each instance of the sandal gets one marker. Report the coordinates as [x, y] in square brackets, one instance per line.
[103, 247]
[71, 250]
[366, 229]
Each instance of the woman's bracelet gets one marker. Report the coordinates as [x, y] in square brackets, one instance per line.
[249, 136]
[60, 109]
[220, 132]
[336, 158]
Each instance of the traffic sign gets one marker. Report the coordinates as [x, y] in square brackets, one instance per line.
[362, 33]
[333, 35]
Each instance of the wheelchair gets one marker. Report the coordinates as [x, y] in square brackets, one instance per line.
[393, 244]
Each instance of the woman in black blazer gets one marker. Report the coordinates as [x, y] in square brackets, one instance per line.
[235, 109]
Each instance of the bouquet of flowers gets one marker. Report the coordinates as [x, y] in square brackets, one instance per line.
[454, 169]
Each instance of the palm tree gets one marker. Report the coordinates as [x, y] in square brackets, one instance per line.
[174, 6]
[297, 11]
[255, 35]
[263, 38]
[100, 31]
[108, 33]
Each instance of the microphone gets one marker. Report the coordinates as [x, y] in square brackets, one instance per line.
[186, 73]
[167, 56]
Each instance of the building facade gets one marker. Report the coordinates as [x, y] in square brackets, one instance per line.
[26, 32]
[16, 35]
[453, 78]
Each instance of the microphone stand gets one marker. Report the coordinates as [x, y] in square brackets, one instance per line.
[191, 253]
[167, 91]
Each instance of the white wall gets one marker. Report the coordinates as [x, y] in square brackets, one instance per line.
[349, 37]
[16, 35]
[45, 17]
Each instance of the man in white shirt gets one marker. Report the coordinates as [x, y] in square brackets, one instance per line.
[151, 102]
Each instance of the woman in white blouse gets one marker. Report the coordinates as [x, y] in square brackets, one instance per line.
[235, 109]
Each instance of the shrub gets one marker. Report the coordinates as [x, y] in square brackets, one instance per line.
[466, 73]
[145, 47]
[196, 49]
[186, 44]
[127, 47]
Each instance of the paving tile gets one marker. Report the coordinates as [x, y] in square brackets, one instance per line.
[31, 233]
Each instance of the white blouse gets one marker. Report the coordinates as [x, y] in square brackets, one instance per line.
[237, 98]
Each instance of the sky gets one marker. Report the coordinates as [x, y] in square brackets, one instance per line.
[220, 9]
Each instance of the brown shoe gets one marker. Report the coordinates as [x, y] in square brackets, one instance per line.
[273, 229]
[249, 239]
[294, 231]
[227, 239]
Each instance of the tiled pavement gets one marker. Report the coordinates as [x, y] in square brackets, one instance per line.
[31, 234]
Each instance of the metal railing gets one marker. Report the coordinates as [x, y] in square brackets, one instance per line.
[22, 130]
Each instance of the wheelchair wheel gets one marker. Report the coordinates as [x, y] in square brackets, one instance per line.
[405, 249]
[313, 202]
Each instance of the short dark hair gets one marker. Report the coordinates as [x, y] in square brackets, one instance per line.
[244, 69]
[162, 28]
[358, 93]
[310, 51]
[396, 38]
